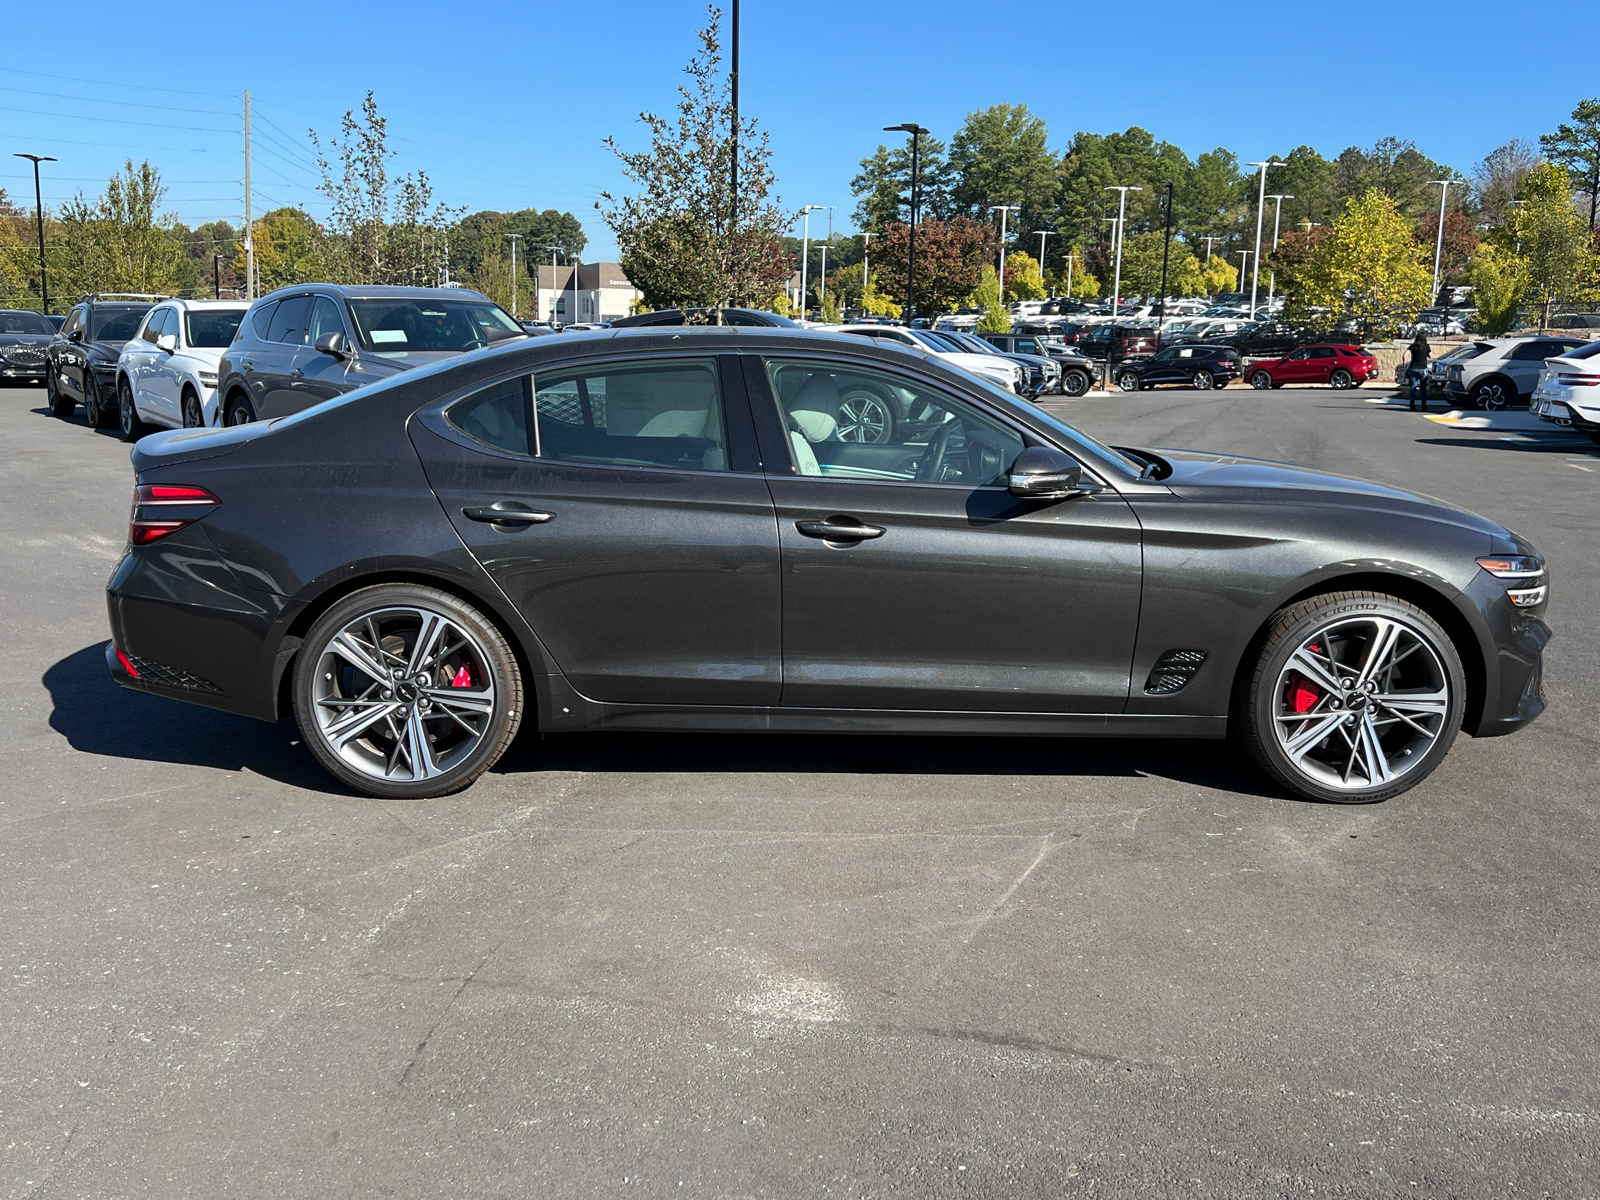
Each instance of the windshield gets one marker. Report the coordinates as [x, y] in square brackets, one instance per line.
[972, 342]
[1074, 438]
[24, 322]
[404, 324]
[1588, 351]
[212, 330]
[116, 324]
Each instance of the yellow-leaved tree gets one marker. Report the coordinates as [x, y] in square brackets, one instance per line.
[986, 297]
[1371, 270]
[1024, 280]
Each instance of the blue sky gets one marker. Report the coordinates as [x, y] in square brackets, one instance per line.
[510, 109]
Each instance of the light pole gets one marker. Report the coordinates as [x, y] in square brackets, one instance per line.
[1438, 245]
[1166, 248]
[38, 209]
[1208, 239]
[1122, 208]
[216, 275]
[552, 317]
[1244, 259]
[805, 252]
[1070, 259]
[822, 279]
[866, 266]
[1261, 200]
[1277, 212]
[1043, 233]
[916, 131]
[1004, 210]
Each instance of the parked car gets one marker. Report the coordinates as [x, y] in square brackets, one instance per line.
[307, 343]
[1200, 367]
[1264, 339]
[24, 340]
[706, 316]
[167, 372]
[1439, 365]
[1044, 373]
[1077, 373]
[81, 359]
[1504, 371]
[987, 569]
[1568, 391]
[1338, 366]
[57, 320]
[1000, 372]
[1113, 341]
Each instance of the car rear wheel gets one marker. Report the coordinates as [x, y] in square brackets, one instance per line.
[239, 411]
[128, 420]
[1260, 380]
[1355, 697]
[94, 406]
[193, 414]
[1492, 394]
[1128, 381]
[61, 405]
[406, 692]
[1203, 380]
[1074, 383]
[1340, 378]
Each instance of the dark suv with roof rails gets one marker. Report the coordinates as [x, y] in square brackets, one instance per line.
[81, 358]
[310, 342]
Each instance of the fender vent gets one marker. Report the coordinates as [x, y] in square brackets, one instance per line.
[1173, 671]
[165, 676]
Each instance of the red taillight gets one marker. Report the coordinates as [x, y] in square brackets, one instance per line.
[163, 508]
[1575, 380]
[126, 665]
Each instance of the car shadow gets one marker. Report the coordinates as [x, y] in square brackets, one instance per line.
[96, 716]
[1545, 445]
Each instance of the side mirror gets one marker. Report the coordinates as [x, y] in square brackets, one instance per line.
[75, 336]
[332, 343]
[1045, 473]
[167, 342]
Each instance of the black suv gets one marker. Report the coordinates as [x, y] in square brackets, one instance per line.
[1077, 374]
[81, 359]
[310, 342]
[24, 338]
[1202, 367]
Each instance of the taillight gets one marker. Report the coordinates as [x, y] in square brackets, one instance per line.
[163, 508]
[1575, 380]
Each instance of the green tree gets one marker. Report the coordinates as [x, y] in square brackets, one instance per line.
[1001, 155]
[1395, 168]
[1557, 248]
[1024, 280]
[1218, 275]
[1311, 180]
[882, 187]
[1369, 268]
[119, 242]
[1141, 267]
[289, 247]
[1576, 146]
[681, 242]
[1497, 178]
[1497, 276]
[986, 298]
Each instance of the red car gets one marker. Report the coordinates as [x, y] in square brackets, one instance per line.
[1339, 366]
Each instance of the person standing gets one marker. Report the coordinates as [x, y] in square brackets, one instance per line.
[1417, 372]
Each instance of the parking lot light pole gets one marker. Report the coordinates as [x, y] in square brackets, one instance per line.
[216, 275]
[38, 210]
[1438, 245]
[805, 251]
[1122, 191]
[1208, 240]
[1166, 249]
[552, 317]
[1261, 201]
[1277, 213]
[866, 265]
[822, 279]
[916, 131]
[513, 238]
[1043, 233]
[1244, 261]
[1070, 260]
[1003, 210]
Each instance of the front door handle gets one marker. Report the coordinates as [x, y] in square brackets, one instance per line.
[839, 529]
[508, 512]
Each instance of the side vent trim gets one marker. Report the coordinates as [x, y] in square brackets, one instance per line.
[1173, 671]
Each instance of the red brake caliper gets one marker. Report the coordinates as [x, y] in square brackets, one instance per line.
[463, 677]
[1302, 695]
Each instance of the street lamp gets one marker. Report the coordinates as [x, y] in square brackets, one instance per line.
[1261, 200]
[216, 275]
[822, 279]
[805, 251]
[1071, 258]
[1003, 210]
[1122, 208]
[552, 317]
[1244, 258]
[1277, 212]
[1438, 245]
[866, 265]
[1208, 239]
[514, 238]
[38, 208]
[1043, 233]
[916, 131]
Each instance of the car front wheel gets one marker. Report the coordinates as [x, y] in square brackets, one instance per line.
[1354, 697]
[1260, 380]
[61, 405]
[1492, 394]
[94, 406]
[1074, 383]
[406, 692]
[193, 414]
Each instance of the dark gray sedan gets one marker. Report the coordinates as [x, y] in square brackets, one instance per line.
[664, 529]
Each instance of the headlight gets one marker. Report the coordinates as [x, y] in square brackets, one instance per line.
[1524, 576]
[209, 378]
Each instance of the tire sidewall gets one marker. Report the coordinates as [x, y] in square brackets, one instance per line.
[508, 689]
[1257, 375]
[1259, 696]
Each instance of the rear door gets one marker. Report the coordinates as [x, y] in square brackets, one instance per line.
[621, 507]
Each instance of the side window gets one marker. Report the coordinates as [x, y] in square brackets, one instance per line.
[153, 325]
[498, 415]
[1324, 352]
[1027, 346]
[1299, 354]
[666, 413]
[853, 422]
[73, 322]
[325, 318]
[289, 322]
[261, 319]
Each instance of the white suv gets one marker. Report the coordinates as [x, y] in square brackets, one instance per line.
[1569, 391]
[990, 367]
[1503, 371]
[167, 372]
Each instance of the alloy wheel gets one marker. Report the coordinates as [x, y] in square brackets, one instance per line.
[1361, 702]
[193, 418]
[1491, 395]
[1203, 380]
[1074, 383]
[1340, 378]
[864, 417]
[1128, 382]
[1261, 381]
[240, 413]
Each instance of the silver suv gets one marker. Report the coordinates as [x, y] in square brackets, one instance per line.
[1501, 372]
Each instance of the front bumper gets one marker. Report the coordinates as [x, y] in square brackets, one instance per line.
[22, 374]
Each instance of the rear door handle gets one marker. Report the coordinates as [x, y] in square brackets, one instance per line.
[508, 512]
[839, 529]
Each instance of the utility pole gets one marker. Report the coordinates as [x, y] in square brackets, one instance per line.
[1208, 239]
[1070, 259]
[216, 275]
[249, 223]
[733, 182]
[1043, 233]
[1277, 213]
[514, 238]
[1122, 191]
[38, 210]
[1261, 200]
[1438, 245]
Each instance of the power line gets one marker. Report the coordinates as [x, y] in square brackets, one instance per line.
[210, 112]
[140, 87]
[40, 112]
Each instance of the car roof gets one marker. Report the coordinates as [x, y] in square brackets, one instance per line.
[351, 291]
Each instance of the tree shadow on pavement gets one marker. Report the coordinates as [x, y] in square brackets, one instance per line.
[98, 717]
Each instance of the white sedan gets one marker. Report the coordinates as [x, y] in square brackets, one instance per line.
[167, 372]
[1568, 392]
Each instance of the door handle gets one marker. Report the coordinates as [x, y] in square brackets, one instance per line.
[504, 512]
[297, 373]
[839, 529]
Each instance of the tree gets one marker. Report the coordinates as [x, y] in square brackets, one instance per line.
[1311, 180]
[1577, 148]
[1001, 155]
[1395, 168]
[1497, 276]
[1557, 248]
[1219, 275]
[950, 259]
[1369, 268]
[882, 188]
[681, 243]
[986, 299]
[1496, 179]
[1024, 281]
[119, 242]
[1460, 241]
[289, 247]
[478, 243]
[1141, 267]
[1288, 261]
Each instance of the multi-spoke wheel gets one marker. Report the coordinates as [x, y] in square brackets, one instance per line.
[193, 414]
[1203, 379]
[1075, 383]
[1260, 380]
[1128, 381]
[1356, 697]
[864, 416]
[405, 691]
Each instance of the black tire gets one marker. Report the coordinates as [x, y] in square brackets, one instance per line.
[193, 414]
[1128, 381]
[1260, 380]
[61, 405]
[1203, 380]
[326, 683]
[1075, 383]
[1429, 675]
[239, 411]
[1495, 395]
[128, 420]
[1340, 378]
[94, 405]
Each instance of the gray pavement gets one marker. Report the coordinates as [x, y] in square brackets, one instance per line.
[755, 966]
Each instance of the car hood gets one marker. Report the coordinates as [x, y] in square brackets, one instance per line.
[975, 362]
[1198, 474]
[393, 362]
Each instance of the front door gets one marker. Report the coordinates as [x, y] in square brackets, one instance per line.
[324, 376]
[913, 580]
[1297, 368]
[621, 507]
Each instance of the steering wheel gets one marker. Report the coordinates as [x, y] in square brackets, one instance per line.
[931, 468]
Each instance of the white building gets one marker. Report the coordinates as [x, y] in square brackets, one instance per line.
[600, 292]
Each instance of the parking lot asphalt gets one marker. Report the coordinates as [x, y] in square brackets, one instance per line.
[731, 966]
